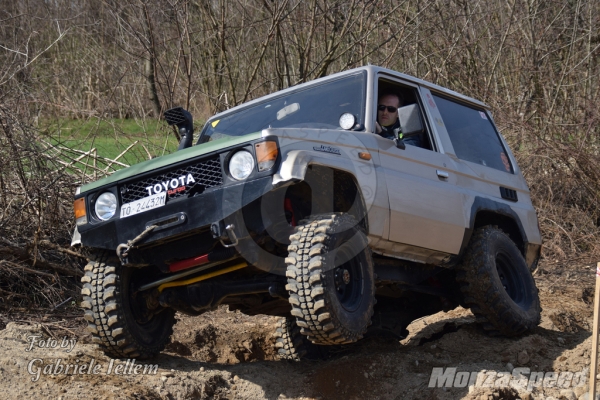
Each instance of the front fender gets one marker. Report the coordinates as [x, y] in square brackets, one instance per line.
[355, 153]
[295, 163]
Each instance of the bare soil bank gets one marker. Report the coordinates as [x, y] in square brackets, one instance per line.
[227, 355]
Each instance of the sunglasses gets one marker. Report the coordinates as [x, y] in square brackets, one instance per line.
[391, 109]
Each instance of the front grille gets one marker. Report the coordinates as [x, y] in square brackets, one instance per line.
[206, 174]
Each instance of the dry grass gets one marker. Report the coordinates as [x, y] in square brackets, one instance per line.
[564, 180]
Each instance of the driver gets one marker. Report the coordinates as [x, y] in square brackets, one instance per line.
[387, 124]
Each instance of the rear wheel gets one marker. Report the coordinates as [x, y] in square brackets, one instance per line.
[123, 322]
[497, 285]
[330, 279]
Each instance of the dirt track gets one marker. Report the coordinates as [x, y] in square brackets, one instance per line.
[228, 355]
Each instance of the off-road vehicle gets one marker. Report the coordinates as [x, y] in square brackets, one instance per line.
[292, 205]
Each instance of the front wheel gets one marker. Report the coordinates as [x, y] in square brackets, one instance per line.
[330, 279]
[497, 285]
[294, 346]
[123, 322]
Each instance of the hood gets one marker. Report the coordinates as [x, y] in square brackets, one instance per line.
[176, 157]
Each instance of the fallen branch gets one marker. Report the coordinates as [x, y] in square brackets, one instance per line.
[15, 266]
[23, 255]
[54, 246]
[12, 294]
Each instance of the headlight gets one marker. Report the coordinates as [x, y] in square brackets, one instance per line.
[106, 205]
[241, 165]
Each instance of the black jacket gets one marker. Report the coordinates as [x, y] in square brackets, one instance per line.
[392, 131]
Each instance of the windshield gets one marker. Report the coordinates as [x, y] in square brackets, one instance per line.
[318, 106]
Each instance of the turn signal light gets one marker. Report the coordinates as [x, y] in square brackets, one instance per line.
[79, 207]
[266, 154]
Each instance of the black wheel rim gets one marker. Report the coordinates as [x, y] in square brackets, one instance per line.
[348, 279]
[512, 281]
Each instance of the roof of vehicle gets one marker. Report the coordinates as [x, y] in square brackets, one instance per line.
[426, 84]
[372, 69]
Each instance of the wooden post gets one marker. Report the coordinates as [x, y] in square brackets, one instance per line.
[594, 363]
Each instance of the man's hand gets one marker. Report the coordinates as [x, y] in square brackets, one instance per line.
[377, 128]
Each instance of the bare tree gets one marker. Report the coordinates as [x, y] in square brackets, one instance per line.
[535, 62]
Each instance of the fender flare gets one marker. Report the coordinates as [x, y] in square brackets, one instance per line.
[295, 163]
[531, 251]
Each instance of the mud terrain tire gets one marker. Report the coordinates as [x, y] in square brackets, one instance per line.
[294, 346]
[497, 285]
[330, 279]
[116, 320]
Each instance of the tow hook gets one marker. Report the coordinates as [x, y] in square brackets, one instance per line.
[123, 248]
[232, 238]
[220, 231]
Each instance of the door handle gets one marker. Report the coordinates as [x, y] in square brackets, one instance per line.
[442, 174]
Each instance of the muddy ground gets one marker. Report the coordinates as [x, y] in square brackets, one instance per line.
[227, 355]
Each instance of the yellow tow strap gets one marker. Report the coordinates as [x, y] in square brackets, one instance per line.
[202, 277]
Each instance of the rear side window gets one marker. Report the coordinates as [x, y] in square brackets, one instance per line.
[473, 135]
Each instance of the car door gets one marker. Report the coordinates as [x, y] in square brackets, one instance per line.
[426, 205]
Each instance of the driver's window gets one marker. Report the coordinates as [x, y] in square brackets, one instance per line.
[398, 105]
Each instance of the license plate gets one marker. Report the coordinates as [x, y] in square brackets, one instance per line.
[145, 204]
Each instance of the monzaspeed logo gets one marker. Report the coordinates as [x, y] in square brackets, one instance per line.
[518, 378]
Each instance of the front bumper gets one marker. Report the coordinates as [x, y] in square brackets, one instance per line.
[194, 213]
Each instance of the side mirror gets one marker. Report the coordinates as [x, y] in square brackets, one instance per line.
[183, 120]
[410, 119]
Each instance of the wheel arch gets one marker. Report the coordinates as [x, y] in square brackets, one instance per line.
[485, 211]
[504, 222]
[334, 189]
